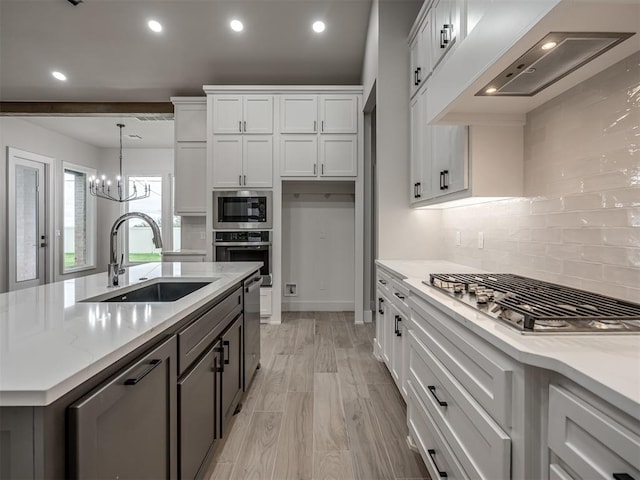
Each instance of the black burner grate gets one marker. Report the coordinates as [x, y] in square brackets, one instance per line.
[538, 301]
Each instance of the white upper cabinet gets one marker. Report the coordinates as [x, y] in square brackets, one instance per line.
[338, 114]
[191, 121]
[420, 152]
[445, 19]
[338, 155]
[190, 178]
[227, 164]
[298, 155]
[299, 114]
[242, 161]
[227, 114]
[238, 114]
[257, 114]
[450, 151]
[257, 161]
[420, 48]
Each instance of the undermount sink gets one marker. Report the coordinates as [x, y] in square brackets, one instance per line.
[156, 292]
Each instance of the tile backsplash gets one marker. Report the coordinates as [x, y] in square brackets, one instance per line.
[579, 223]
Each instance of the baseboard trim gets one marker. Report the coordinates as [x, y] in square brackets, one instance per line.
[305, 306]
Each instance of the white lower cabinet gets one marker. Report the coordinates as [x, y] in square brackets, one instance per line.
[588, 441]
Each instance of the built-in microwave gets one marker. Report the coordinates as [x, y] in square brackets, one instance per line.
[242, 209]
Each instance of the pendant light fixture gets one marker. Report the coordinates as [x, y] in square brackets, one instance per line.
[103, 187]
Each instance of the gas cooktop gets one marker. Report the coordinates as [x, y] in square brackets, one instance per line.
[534, 306]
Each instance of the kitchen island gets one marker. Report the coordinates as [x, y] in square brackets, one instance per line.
[485, 401]
[57, 349]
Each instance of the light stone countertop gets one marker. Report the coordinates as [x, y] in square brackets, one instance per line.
[606, 364]
[50, 342]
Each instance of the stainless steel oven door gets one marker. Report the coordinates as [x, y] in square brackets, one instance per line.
[243, 209]
[246, 252]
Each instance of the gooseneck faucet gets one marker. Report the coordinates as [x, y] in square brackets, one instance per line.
[115, 268]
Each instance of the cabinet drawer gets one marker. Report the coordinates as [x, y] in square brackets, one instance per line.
[400, 296]
[589, 441]
[485, 372]
[556, 472]
[383, 280]
[481, 446]
[437, 455]
[194, 340]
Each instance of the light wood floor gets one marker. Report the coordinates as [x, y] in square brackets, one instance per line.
[321, 407]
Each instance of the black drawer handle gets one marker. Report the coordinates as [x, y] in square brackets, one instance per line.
[432, 455]
[220, 349]
[396, 325]
[226, 343]
[432, 389]
[380, 302]
[383, 282]
[401, 297]
[152, 364]
[622, 476]
[398, 331]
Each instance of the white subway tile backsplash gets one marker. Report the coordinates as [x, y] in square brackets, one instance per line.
[579, 223]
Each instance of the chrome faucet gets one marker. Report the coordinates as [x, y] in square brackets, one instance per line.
[115, 268]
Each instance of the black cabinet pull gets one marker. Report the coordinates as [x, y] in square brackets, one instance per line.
[419, 71]
[380, 302]
[398, 331]
[225, 343]
[445, 37]
[432, 455]
[415, 77]
[419, 189]
[441, 180]
[383, 282]
[445, 175]
[396, 325]
[622, 476]
[400, 296]
[432, 389]
[442, 44]
[220, 349]
[152, 364]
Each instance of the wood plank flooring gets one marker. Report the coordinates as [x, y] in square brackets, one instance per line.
[321, 407]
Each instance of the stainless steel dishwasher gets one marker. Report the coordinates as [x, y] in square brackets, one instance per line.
[251, 327]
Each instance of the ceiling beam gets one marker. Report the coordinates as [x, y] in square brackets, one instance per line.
[78, 109]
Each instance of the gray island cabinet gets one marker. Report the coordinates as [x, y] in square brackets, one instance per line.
[158, 410]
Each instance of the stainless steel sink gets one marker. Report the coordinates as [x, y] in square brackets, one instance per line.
[156, 292]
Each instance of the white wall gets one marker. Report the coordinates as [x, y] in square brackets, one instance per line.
[578, 224]
[318, 228]
[370, 64]
[24, 135]
[402, 232]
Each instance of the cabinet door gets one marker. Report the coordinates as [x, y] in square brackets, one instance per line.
[191, 122]
[424, 49]
[299, 114]
[190, 178]
[450, 159]
[231, 371]
[127, 428]
[446, 24]
[414, 55]
[338, 114]
[395, 364]
[416, 153]
[197, 410]
[338, 155]
[258, 114]
[258, 161]
[227, 114]
[387, 331]
[298, 155]
[227, 161]
[425, 188]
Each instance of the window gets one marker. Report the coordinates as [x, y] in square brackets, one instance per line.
[79, 213]
[177, 219]
[141, 248]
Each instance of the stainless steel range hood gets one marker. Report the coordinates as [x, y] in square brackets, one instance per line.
[552, 58]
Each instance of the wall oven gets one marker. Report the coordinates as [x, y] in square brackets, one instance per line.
[242, 209]
[245, 246]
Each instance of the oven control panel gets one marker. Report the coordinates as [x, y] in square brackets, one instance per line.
[242, 236]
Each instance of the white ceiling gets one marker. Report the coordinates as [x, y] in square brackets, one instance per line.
[103, 131]
[109, 54]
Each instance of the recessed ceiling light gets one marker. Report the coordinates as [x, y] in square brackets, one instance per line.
[59, 76]
[155, 26]
[236, 25]
[491, 90]
[318, 26]
[549, 45]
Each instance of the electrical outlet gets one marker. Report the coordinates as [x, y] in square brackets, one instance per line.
[290, 290]
[458, 238]
[480, 240]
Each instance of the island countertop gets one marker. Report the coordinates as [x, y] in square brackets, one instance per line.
[51, 341]
[606, 364]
